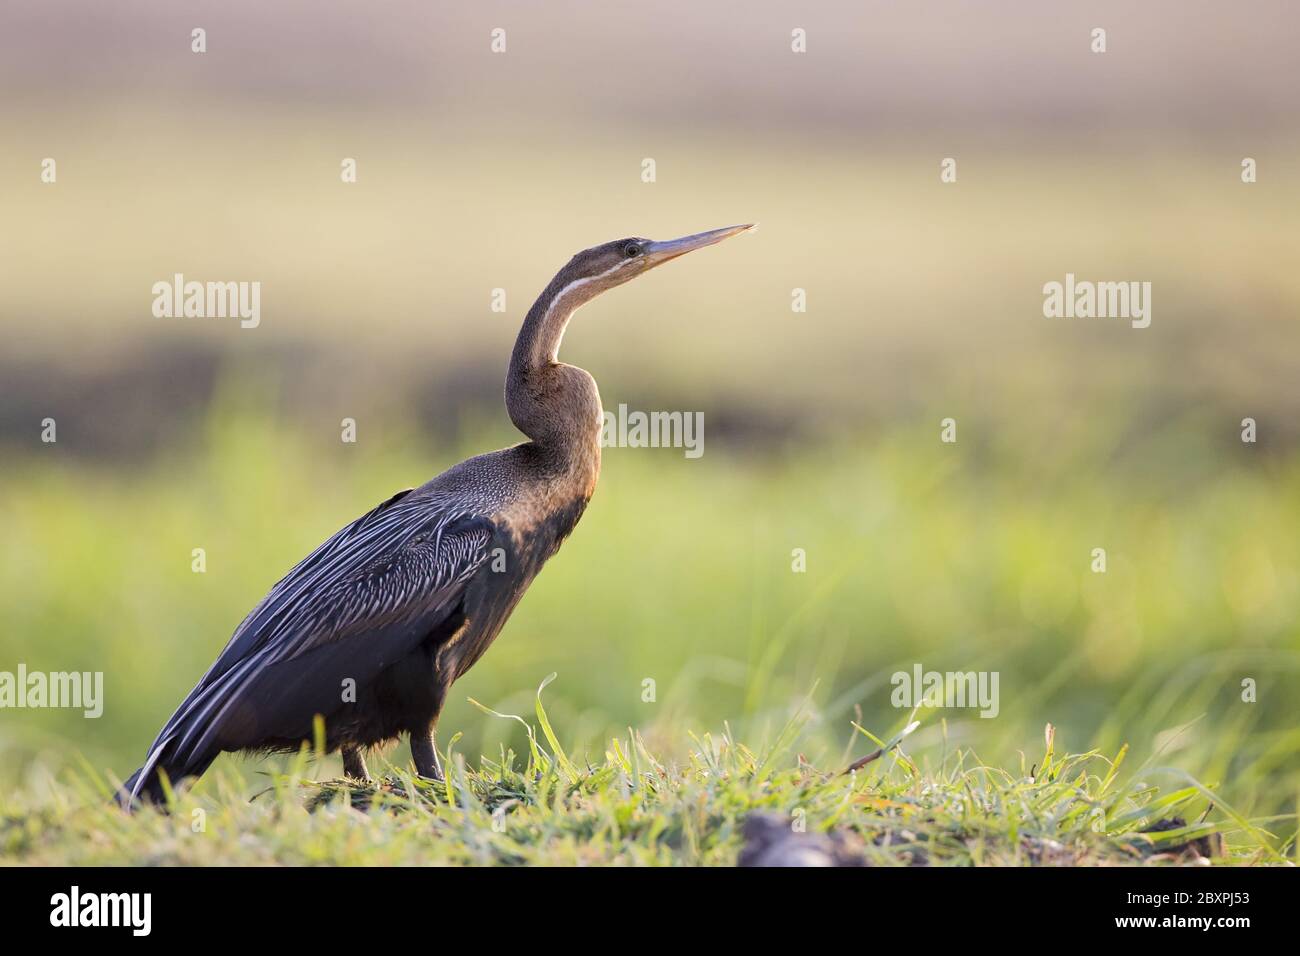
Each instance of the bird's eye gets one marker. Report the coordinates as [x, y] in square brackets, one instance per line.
[631, 250]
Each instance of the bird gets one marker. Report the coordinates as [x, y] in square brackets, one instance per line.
[371, 629]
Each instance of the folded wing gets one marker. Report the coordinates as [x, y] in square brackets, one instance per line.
[361, 601]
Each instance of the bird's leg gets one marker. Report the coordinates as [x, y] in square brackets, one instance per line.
[354, 765]
[425, 752]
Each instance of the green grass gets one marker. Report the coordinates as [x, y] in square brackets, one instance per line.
[965, 557]
[634, 809]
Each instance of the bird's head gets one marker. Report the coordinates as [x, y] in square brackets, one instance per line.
[613, 263]
[545, 397]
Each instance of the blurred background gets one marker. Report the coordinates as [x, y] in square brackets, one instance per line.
[478, 171]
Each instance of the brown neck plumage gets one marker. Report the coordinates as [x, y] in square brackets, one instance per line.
[555, 405]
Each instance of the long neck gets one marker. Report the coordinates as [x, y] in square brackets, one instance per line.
[555, 405]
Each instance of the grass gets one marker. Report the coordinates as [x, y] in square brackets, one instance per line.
[967, 557]
[634, 809]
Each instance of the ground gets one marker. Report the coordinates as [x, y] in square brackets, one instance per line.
[725, 804]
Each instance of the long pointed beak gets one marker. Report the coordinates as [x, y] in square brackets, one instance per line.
[660, 252]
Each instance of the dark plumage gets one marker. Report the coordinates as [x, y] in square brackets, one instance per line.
[371, 629]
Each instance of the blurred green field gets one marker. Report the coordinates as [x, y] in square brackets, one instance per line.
[973, 556]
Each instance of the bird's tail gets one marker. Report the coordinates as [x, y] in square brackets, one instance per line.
[143, 786]
[146, 784]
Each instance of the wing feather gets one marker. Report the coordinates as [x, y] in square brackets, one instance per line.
[363, 598]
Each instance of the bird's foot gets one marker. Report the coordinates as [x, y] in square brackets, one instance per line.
[354, 765]
[425, 753]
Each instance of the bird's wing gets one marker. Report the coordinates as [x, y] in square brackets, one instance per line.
[366, 596]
